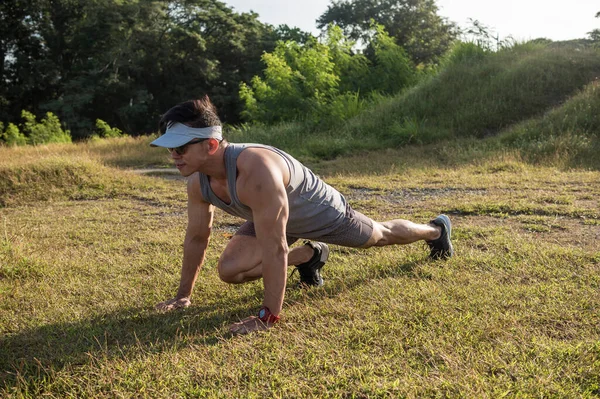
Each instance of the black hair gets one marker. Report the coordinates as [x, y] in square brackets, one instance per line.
[194, 113]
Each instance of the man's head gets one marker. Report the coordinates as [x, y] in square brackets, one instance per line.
[191, 131]
[187, 122]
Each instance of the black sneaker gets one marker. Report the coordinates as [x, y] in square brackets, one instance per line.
[310, 274]
[442, 247]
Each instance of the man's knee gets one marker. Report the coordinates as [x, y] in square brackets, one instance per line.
[377, 236]
[238, 259]
[227, 270]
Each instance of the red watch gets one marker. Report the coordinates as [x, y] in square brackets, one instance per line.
[265, 315]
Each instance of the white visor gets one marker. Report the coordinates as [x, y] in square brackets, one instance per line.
[178, 134]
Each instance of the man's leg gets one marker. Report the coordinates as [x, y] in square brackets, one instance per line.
[436, 234]
[401, 231]
[241, 259]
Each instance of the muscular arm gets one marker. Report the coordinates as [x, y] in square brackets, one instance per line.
[200, 217]
[261, 186]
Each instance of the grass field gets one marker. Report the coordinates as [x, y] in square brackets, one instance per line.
[88, 247]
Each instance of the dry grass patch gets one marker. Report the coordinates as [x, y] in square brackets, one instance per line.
[515, 313]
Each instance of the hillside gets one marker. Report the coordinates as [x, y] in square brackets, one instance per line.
[476, 94]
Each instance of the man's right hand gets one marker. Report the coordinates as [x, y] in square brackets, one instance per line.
[173, 304]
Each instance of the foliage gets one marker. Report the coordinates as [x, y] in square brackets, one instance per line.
[414, 24]
[464, 53]
[595, 34]
[23, 70]
[47, 131]
[12, 136]
[103, 130]
[345, 106]
[480, 99]
[476, 93]
[325, 81]
[393, 69]
[285, 33]
[353, 69]
[477, 42]
[127, 61]
[124, 61]
[485, 38]
[298, 82]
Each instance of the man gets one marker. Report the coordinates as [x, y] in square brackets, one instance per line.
[281, 200]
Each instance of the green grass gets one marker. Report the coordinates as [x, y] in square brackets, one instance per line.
[567, 134]
[65, 178]
[514, 314]
[505, 143]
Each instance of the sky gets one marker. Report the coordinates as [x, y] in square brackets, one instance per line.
[521, 19]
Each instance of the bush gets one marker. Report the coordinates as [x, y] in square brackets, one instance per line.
[393, 69]
[298, 81]
[104, 130]
[352, 69]
[463, 53]
[12, 136]
[323, 82]
[343, 107]
[48, 131]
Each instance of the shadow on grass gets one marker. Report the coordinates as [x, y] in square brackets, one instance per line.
[338, 284]
[30, 353]
[34, 353]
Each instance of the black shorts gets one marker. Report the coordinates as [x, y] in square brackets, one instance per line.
[354, 231]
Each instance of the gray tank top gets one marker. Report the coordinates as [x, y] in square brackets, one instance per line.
[315, 208]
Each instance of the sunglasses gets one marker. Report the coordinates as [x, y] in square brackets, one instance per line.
[182, 149]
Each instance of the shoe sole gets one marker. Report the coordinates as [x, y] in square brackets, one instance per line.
[322, 259]
[449, 230]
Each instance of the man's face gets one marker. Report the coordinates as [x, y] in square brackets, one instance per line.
[189, 157]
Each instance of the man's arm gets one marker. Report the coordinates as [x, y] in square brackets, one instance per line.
[200, 217]
[261, 186]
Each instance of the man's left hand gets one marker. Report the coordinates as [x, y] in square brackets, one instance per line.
[248, 325]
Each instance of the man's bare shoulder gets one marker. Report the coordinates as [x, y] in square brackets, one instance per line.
[254, 155]
[256, 161]
[262, 174]
[194, 189]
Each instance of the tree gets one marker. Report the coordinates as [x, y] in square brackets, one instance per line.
[393, 70]
[595, 34]
[124, 61]
[414, 24]
[23, 72]
[351, 68]
[285, 33]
